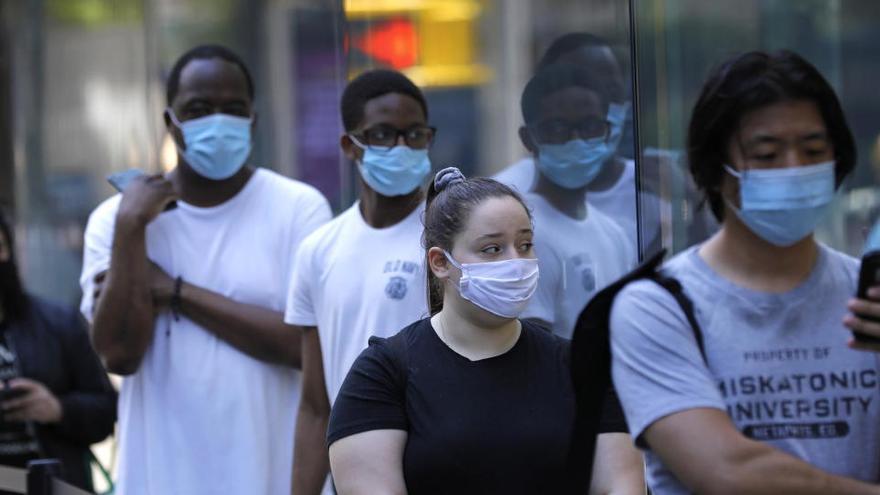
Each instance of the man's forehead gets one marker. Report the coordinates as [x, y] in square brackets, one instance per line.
[393, 107]
[212, 79]
[785, 120]
[571, 100]
[391, 103]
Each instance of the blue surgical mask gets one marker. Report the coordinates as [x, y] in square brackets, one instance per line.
[575, 163]
[217, 145]
[617, 114]
[784, 205]
[394, 171]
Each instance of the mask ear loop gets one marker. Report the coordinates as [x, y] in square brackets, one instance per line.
[176, 122]
[356, 141]
[742, 152]
[358, 161]
[452, 260]
[462, 278]
[173, 116]
[738, 175]
[734, 173]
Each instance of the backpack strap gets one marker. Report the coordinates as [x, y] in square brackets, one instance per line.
[591, 374]
[674, 288]
[591, 363]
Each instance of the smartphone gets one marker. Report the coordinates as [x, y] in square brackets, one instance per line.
[121, 180]
[869, 276]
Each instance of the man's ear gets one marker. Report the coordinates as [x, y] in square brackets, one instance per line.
[526, 137]
[349, 149]
[728, 188]
[438, 264]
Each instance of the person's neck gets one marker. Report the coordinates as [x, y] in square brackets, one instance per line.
[739, 255]
[608, 176]
[472, 339]
[570, 202]
[196, 190]
[380, 211]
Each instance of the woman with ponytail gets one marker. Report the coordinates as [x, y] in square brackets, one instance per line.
[471, 399]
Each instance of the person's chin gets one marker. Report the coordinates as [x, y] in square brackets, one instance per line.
[487, 319]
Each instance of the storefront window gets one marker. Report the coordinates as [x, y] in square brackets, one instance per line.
[678, 42]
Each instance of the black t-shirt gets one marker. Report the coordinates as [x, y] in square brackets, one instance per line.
[497, 425]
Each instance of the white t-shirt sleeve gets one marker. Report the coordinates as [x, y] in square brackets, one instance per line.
[98, 244]
[542, 306]
[300, 308]
[657, 367]
[315, 214]
[626, 249]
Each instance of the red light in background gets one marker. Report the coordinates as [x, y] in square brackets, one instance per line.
[394, 43]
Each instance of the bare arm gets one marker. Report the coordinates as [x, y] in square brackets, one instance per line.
[256, 331]
[369, 463]
[122, 329]
[311, 464]
[618, 468]
[709, 455]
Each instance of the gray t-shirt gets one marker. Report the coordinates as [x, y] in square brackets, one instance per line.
[778, 364]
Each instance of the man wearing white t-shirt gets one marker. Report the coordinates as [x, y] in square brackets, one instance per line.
[613, 190]
[187, 302]
[580, 249]
[362, 274]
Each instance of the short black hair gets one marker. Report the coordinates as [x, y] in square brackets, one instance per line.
[554, 78]
[205, 52]
[373, 84]
[13, 298]
[747, 82]
[570, 42]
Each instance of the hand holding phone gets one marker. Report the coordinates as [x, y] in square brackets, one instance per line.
[121, 180]
[869, 276]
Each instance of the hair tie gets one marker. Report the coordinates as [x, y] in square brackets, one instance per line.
[447, 177]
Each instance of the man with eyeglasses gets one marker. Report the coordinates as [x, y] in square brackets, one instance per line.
[361, 274]
[612, 184]
[580, 249]
[187, 303]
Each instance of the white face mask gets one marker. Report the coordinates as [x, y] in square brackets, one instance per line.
[502, 288]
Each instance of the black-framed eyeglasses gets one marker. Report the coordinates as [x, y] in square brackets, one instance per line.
[386, 136]
[559, 131]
